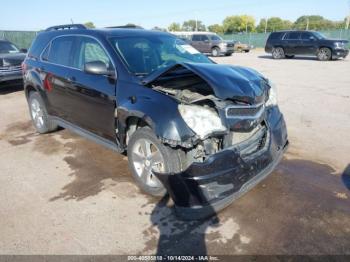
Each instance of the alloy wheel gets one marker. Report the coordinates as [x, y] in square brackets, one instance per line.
[146, 158]
[37, 113]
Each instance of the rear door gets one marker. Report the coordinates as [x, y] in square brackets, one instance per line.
[56, 65]
[291, 41]
[91, 98]
[196, 42]
[206, 44]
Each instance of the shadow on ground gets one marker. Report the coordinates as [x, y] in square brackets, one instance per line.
[305, 58]
[10, 88]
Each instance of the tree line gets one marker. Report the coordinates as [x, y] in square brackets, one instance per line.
[247, 23]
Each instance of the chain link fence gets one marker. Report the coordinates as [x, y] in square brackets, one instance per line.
[259, 39]
[22, 39]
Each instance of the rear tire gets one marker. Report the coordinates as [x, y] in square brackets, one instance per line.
[41, 120]
[228, 54]
[324, 54]
[278, 53]
[215, 51]
[145, 153]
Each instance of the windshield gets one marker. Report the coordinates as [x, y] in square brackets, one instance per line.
[319, 35]
[146, 54]
[216, 38]
[8, 48]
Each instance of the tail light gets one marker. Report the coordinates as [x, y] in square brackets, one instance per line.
[47, 82]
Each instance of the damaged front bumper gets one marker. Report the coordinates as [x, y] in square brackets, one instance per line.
[205, 188]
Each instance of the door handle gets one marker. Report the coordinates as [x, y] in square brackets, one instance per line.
[71, 79]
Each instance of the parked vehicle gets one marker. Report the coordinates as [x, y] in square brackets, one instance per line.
[11, 58]
[207, 43]
[241, 47]
[290, 43]
[203, 132]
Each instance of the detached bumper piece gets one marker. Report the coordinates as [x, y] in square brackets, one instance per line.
[205, 188]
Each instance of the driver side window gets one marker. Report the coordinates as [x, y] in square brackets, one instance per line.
[90, 51]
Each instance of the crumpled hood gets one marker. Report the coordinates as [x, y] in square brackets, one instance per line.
[227, 81]
[12, 59]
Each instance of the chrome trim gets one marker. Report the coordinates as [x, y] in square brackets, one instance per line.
[257, 115]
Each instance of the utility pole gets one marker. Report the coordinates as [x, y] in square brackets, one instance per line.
[266, 25]
[307, 23]
[195, 14]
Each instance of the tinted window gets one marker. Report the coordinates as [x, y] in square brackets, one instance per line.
[306, 36]
[292, 36]
[205, 38]
[275, 36]
[215, 38]
[45, 54]
[90, 51]
[196, 38]
[60, 51]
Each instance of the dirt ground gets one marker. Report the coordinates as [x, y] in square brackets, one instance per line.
[62, 194]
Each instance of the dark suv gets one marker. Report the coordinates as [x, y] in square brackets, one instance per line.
[290, 43]
[205, 133]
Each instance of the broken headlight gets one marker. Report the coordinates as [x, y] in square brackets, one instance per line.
[272, 95]
[203, 121]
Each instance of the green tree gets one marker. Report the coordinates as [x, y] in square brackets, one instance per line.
[239, 23]
[273, 24]
[173, 27]
[216, 28]
[190, 25]
[90, 25]
[314, 22]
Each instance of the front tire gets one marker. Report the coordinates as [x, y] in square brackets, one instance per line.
[215, 51]
[41, 120]
[324, 54]
[147, 153]
[278, 53]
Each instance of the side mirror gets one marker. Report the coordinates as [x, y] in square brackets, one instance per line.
[97, 68]
[23, 50]
[312, 38]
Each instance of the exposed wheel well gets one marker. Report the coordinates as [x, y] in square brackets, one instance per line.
[132, 124]
[215, 47]
[29, 89]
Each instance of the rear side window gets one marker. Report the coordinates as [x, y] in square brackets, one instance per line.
[292, 36]
[60, 51]
[196, 38]
[275, 36]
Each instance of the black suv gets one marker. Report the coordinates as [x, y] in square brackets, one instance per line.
[205, 133]
[290, 43]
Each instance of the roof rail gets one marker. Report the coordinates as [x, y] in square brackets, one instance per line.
[126, 26]
[69, 26]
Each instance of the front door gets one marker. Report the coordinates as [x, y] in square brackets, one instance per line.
[91, 98]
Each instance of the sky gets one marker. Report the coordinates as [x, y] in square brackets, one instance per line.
[40, 14]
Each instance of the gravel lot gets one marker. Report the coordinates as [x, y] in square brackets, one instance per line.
[62, 194]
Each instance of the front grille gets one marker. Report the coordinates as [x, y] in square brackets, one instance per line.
[244, 111]
[10, 69]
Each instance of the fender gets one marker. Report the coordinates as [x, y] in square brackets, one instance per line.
[155, 109]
